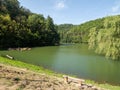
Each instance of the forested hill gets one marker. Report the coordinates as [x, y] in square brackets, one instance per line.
[102, 35]
[62, 30]
[70, 33]
[19, 27]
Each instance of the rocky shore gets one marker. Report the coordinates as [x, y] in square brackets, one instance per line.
[20, 49]
[12, 78]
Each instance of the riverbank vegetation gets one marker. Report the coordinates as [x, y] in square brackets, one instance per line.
[19, 27]
[106, 40]
[102, 35]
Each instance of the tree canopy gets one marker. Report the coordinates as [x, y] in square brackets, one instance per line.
[78, 33]
[19, 27]
[106, 40]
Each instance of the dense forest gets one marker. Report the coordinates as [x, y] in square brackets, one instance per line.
[19, 27]
[78, 33]
[102, 35]
[62, 30]
[106, 40]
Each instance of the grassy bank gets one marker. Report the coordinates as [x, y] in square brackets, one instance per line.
[39, 69]
[27, 66]
[106, 86]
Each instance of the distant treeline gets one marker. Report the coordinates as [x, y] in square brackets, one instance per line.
[102, 35]
[19, 27]
[70, 33]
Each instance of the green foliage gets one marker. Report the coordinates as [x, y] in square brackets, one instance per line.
[106, 40]
[62, 30]
[53, 36]
[21, 28]
[78, 33]
[92, 39]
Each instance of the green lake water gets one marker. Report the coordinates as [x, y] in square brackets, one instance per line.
[73, 60]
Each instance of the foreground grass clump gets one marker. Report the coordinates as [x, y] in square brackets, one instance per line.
[27, 66]
[105, 85]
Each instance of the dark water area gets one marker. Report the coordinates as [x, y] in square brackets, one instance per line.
[74, 60]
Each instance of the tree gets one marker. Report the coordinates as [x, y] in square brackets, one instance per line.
[53, 36]
[8, 31]
[21, 28]
[13, 8]
[106, 40]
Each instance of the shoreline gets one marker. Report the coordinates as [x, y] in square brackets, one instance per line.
[41, 70]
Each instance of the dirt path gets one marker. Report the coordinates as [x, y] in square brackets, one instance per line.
[12, 78]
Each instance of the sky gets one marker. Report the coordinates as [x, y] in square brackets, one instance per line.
[73, 11]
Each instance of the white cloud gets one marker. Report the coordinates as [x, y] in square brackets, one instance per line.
[60, 4]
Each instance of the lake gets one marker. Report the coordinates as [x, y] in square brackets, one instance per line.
[74, 60]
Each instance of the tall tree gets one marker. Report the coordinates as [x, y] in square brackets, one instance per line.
[53, 36]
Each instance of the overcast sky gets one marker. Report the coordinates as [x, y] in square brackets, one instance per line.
[73, 11]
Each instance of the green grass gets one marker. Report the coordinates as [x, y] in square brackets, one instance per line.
[31, 67]
[39, 69]
[106, 86]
